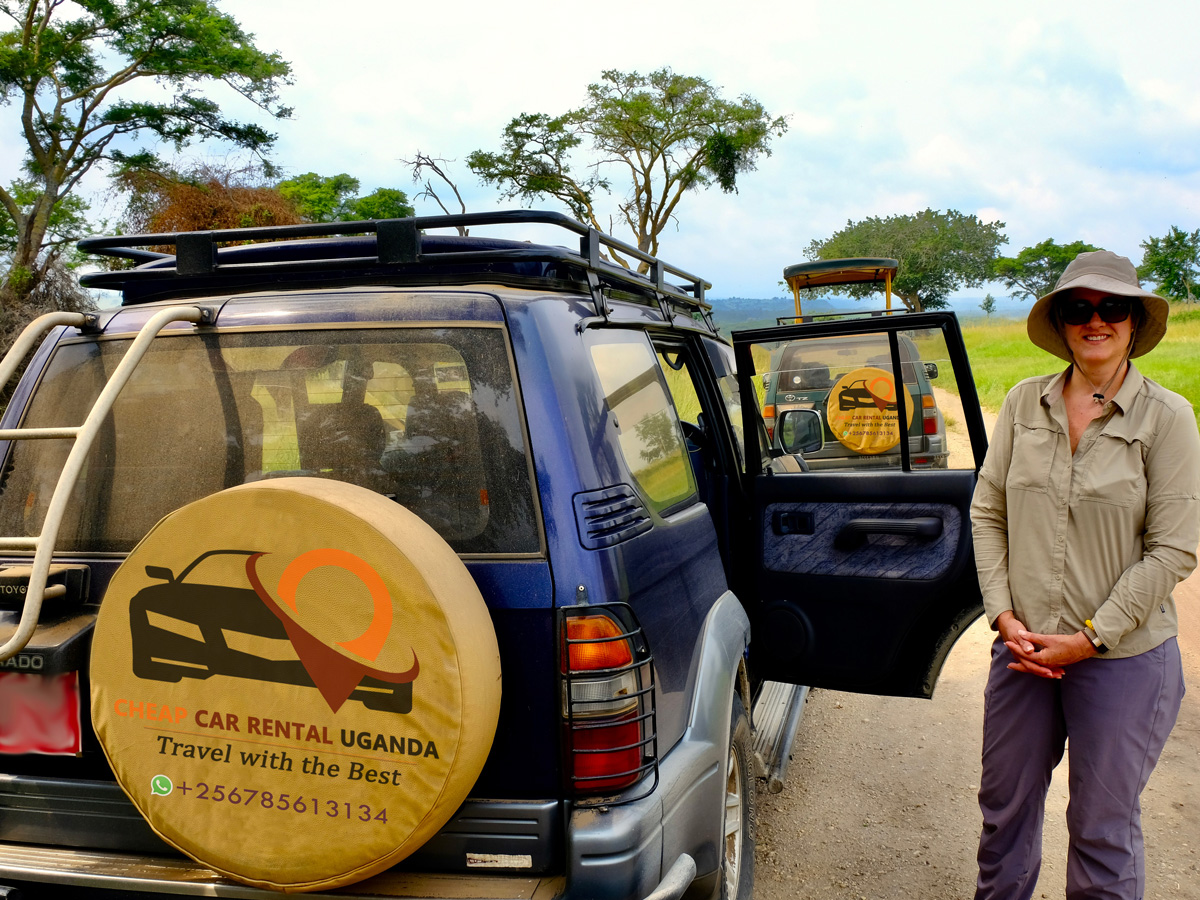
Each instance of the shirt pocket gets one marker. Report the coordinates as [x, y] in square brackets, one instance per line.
[1032, 458]
[1116, 472]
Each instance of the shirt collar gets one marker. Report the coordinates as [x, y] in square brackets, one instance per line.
[1053, 391]
[1130, 387]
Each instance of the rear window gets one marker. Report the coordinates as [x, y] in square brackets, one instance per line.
[818, 363]
[426, 416]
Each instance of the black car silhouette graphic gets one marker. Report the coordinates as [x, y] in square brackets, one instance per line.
[182, 629]
[854, 397]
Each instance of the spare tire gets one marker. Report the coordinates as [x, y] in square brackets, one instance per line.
[296, 681]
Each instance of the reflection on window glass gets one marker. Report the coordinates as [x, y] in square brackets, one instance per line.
[425, 416]
[647, 429]
[850, 382]
[731, 395]
[679, 382]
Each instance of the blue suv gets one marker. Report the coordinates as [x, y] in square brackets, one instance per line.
[587, 444]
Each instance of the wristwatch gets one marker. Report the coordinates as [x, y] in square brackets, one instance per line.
[1100, 646]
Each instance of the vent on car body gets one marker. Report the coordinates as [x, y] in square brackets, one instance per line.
[609, 516]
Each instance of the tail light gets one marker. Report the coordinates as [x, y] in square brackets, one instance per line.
[608, 700]
[929, 412]
[769, 419]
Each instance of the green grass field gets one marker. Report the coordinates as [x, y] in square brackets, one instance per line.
[1001, 355]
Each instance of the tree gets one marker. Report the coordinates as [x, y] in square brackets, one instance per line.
[1035, 270]
[988, 305]
[66, 64]
[381, 203]
[436, 165]
[1172, 262]
[665, 133]
[202, 197]
[939, 252]
[320, 198]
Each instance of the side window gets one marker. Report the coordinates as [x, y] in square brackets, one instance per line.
[682, 387]
[642, 414]
[850, 383]
[723, 363]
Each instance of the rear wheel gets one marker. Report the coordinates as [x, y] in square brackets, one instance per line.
[737, 864]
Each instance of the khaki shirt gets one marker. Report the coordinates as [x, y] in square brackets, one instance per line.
[1103, 535]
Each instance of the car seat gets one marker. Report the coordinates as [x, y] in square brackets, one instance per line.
[815, 376]
[440, 473]
[344, 441]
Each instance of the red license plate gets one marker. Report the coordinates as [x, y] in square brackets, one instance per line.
[39, 713]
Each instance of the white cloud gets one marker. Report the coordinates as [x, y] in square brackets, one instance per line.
[1063, 120]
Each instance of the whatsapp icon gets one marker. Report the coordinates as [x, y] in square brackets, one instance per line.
[160, 785]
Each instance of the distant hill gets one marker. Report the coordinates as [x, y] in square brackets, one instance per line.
[738, 313]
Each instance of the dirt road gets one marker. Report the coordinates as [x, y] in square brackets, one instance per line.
[880, 799]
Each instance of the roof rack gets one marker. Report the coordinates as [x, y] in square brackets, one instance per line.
[397, 247]
[849, 270]
[843, 314]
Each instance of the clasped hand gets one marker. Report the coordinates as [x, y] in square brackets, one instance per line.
[1044, 655]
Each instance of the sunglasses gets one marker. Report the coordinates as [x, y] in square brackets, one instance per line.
[1079, 312]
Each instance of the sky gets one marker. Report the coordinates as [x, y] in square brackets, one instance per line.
[1071, 121]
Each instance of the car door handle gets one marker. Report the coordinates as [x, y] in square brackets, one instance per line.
[854, 533]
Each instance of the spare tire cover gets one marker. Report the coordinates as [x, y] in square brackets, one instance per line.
[295, 681]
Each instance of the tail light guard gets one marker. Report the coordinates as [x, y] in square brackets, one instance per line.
[610, 733]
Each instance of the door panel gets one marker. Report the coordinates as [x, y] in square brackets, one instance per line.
[864, 573]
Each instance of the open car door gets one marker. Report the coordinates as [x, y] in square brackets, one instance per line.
[858, 562]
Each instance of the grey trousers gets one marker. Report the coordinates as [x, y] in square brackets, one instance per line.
[1117, 714]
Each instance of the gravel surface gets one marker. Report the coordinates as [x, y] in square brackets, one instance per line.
[880, 798]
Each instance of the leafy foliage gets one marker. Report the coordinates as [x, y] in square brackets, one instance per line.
[1035, 270]
[64, 66]
[1172, 262]
[202, 197]
[939, 252]
[320, 198]
[664, 133]
[210, 195]
[988, 305]
[381, 203]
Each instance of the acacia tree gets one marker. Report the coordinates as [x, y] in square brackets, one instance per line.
[939, 252]
[1172, 262]
[1035, 270]
[65, 65]
[665, 133]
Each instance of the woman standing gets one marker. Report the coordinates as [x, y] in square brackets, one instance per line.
[1085, 517]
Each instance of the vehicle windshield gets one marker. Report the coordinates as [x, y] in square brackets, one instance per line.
[427, 416]
[816, 364]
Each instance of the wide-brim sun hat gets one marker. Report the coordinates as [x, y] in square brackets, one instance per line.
[1105, 271]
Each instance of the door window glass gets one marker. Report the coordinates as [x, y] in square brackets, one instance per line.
[639, 409]
[849, 383]
[722, 359]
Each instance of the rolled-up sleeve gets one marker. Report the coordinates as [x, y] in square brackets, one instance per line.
[1172, 530]
[989, 517]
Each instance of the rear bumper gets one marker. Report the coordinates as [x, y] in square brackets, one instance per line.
[615, 853]
[653, 849]
[46, 871]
